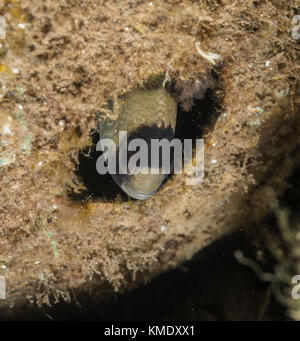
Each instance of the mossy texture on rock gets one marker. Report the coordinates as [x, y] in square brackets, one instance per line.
[73, 58]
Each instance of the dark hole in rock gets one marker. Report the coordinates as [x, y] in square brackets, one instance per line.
[96, 186]
[190, 125]
[202, 116]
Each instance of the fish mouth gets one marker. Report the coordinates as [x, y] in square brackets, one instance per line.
[140, 186]
[137, 195]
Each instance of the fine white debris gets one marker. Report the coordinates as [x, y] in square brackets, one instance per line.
[211, 57]
[15, 70]
[6, 130]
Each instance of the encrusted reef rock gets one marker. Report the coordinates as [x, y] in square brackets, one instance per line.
[62, 61]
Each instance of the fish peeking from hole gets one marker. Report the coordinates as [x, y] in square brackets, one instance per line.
[135, 120]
